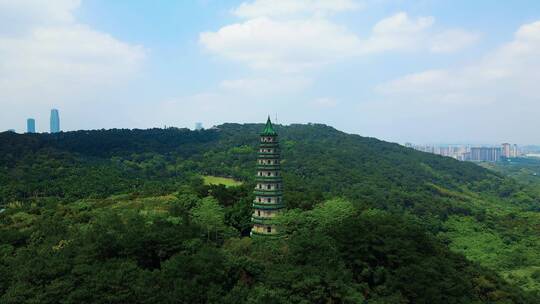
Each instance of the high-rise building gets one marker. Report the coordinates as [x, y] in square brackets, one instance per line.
[269, 188]
[515, 151]
[55, 121]
[30, 125]
[487, 154]
[507, 150]
[198, 126]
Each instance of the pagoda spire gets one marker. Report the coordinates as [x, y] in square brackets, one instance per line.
[268, 128]
[268, 191]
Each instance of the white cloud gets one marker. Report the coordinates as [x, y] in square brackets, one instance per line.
[452, 40]
[24, 14]
[280, 8]
[398, 32]
[494, 99]
[61, 53]
[46, 54]
[263, 43]
[512, 68]
[292, 45]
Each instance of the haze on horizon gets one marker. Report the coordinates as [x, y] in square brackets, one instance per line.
[423, 71]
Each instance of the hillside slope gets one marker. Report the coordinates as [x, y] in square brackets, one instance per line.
[491, 219]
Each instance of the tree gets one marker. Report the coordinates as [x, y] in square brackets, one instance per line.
[210, 215]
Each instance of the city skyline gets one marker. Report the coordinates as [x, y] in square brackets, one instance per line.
[54, 123]
[483, 153]
[399, 71]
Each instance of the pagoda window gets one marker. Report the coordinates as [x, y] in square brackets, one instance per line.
[269, 200]
[268, 187]
[268, 173]
[259, 212]
[259, 199]
[268, 229]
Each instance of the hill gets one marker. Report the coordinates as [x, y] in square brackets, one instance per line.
[406, 213]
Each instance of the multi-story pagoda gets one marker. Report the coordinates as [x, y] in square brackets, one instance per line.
[269, 189]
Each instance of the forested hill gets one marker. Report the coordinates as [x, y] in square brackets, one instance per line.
[318, 162]
[441, 207]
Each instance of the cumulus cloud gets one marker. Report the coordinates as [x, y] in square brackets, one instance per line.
[17, 17]
[280, 8]
[398, 32]
[292, 45]
[489, 99]
[296, 43]
[510, 69]
[452, 40]
[45, 53]
[61, 53]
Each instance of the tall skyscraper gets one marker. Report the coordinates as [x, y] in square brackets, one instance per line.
[30, 125]
[198, 126]
[55, 121]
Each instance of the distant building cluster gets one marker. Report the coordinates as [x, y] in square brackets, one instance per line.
[471, 153]
[54, 123]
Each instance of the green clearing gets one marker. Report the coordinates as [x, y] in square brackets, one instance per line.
[217, 180]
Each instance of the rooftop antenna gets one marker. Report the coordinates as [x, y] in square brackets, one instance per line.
[276, 119]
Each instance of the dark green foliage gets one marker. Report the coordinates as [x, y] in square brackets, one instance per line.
[122, 216]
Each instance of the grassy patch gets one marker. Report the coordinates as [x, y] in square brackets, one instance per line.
[216, 180]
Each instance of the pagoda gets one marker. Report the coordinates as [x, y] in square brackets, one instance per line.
[269, 188]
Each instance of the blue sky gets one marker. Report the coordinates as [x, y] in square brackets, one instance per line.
[418, 71]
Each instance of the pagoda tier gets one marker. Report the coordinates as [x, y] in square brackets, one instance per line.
[268, 202]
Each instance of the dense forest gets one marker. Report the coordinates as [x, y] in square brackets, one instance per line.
[124, 216]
